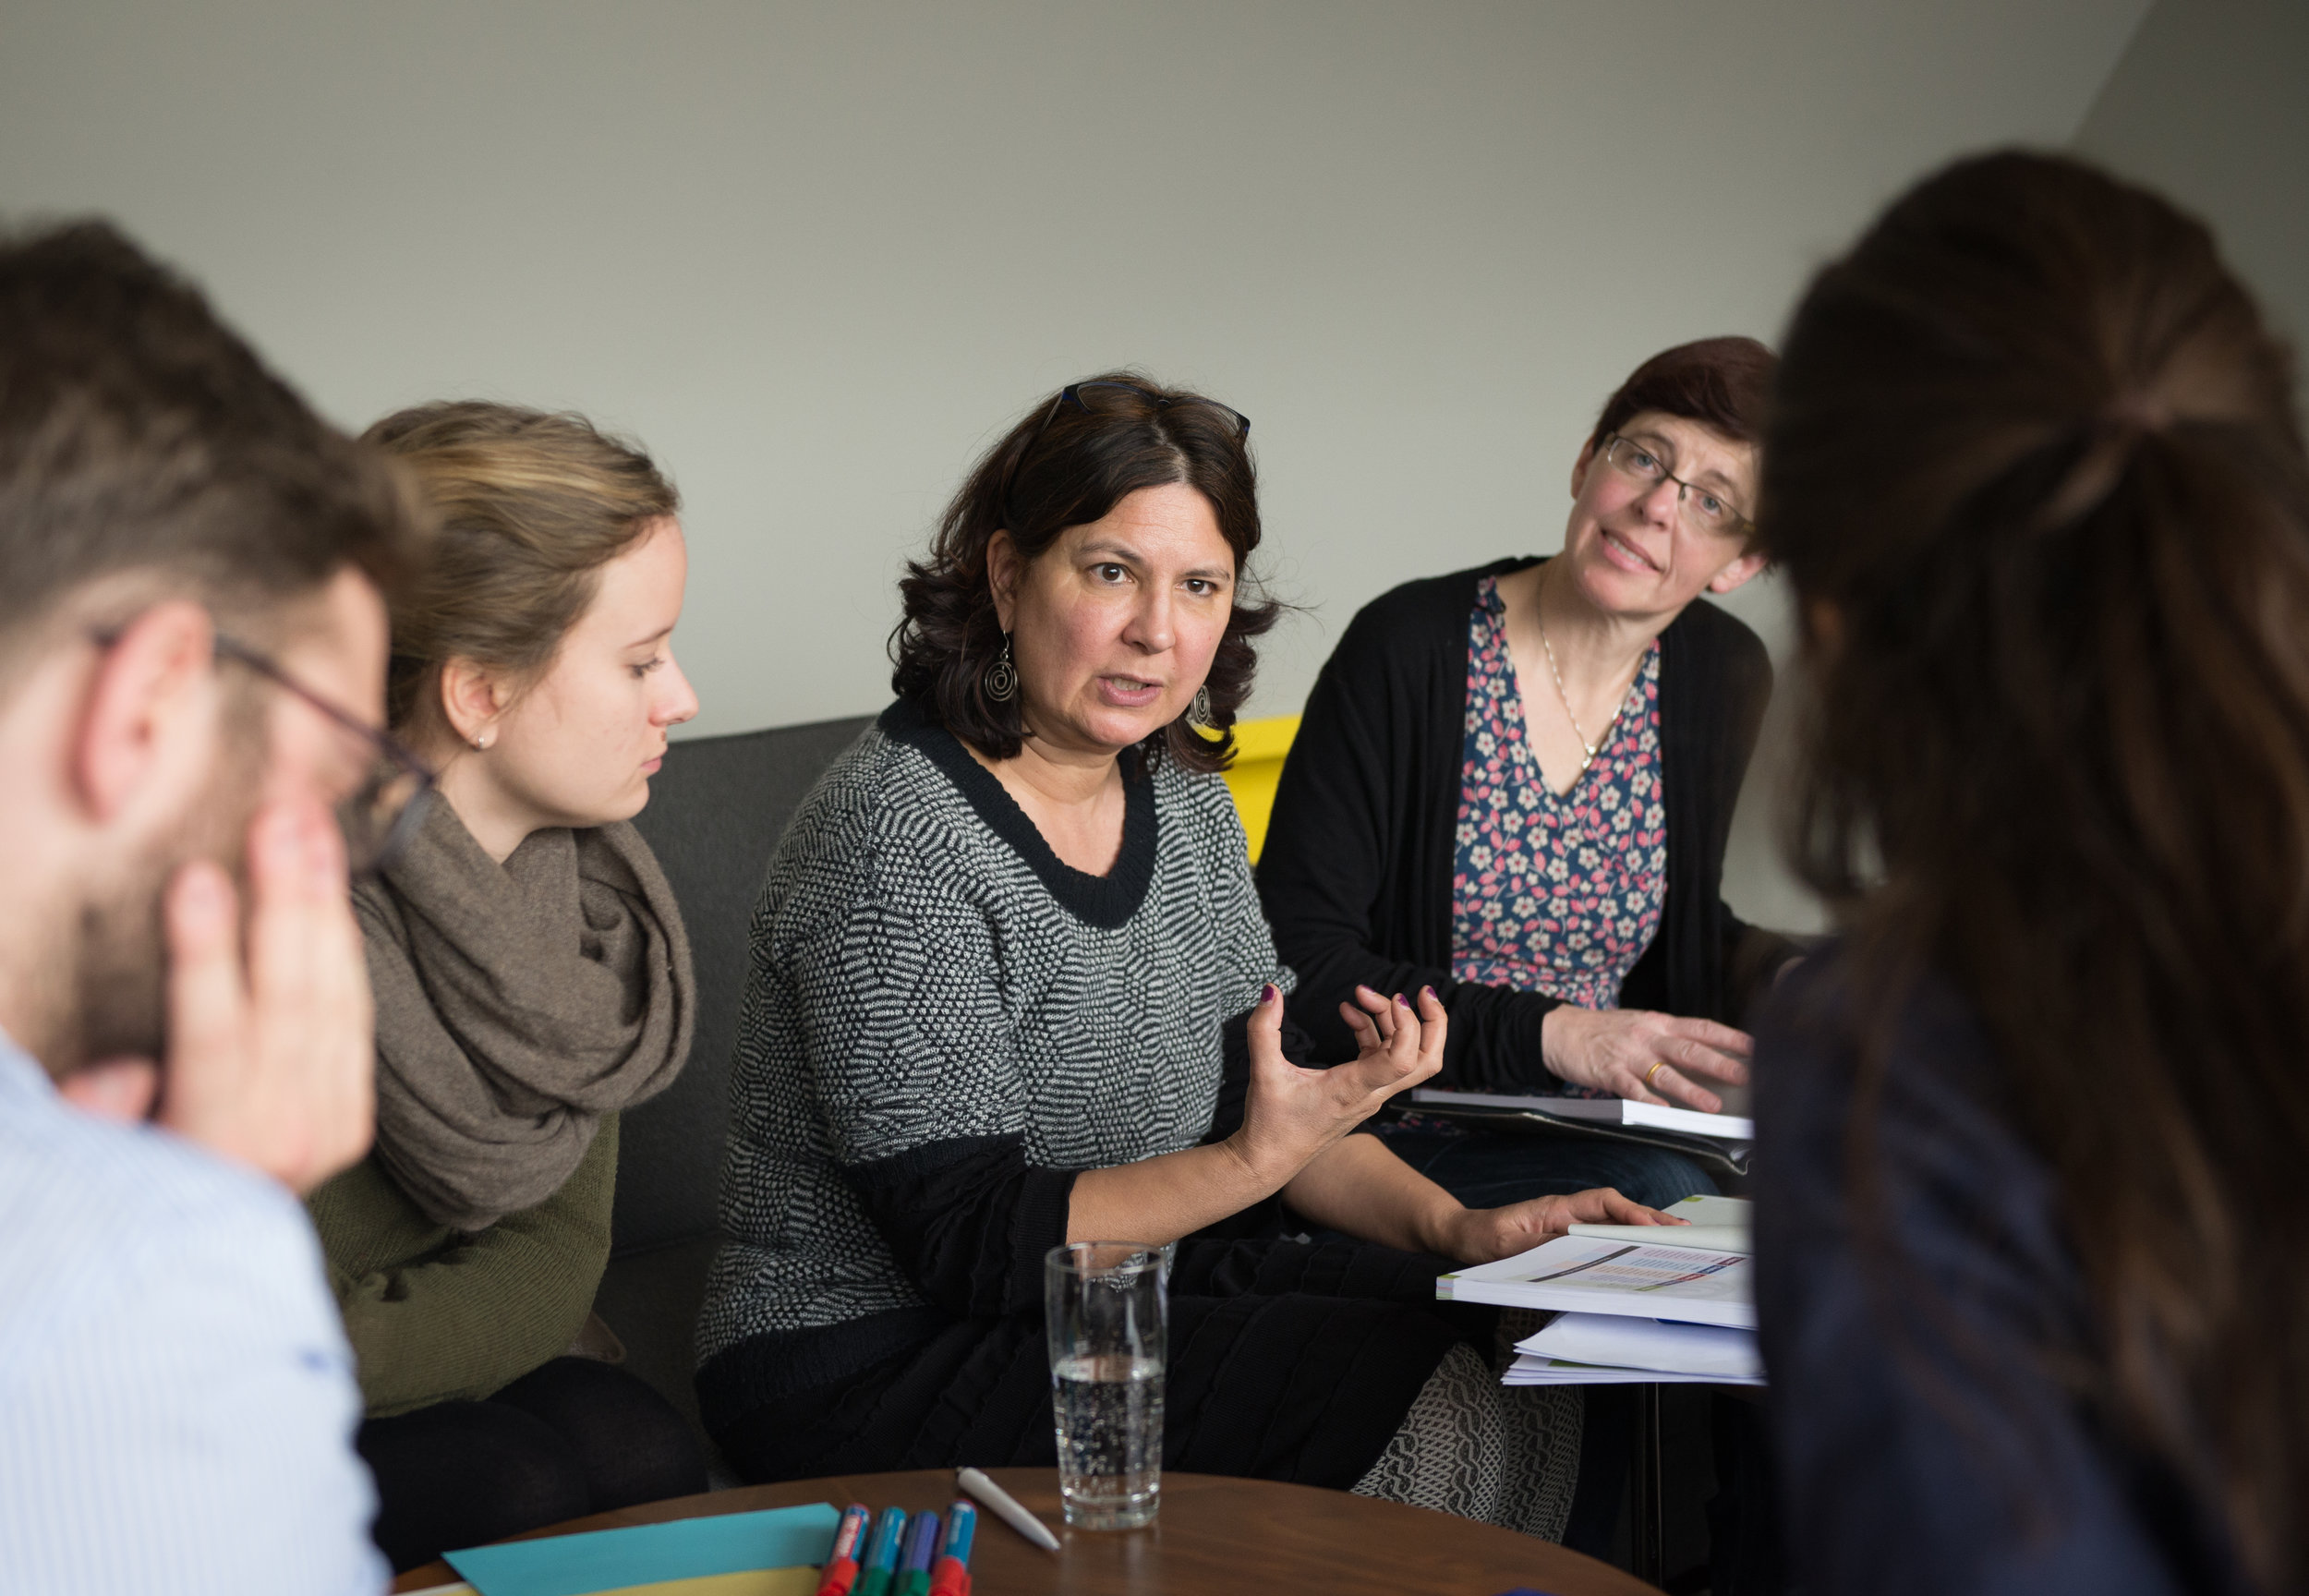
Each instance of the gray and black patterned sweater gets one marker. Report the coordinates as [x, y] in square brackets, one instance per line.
[943, 1025]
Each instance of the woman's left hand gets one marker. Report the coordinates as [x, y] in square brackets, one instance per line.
[1481, 1235]
[1651, 1057]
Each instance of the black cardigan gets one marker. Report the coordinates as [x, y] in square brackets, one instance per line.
[1356, 875]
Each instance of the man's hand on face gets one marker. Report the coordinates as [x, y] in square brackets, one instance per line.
[270, 1063]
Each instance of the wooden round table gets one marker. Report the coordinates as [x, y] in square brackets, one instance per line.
[1216, 1536]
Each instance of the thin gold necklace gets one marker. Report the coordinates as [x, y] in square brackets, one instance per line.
[1593, 748]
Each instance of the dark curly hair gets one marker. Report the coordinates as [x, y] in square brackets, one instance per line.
[1068, 462]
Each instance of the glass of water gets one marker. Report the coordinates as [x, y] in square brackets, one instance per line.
[1109, 1318]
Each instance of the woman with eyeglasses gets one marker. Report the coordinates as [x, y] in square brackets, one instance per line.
[1010, 988]
[1514, 784]
[532, 981]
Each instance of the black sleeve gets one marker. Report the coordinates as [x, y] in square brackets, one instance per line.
[968, 1221]
[1754, 957]
[1363, 817]
[1716, 684]
[1750, 957]
[1494, 1044]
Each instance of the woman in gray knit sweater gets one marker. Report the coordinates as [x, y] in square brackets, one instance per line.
[1011, 987]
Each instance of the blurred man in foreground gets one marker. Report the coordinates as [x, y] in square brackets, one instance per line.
[192, 651]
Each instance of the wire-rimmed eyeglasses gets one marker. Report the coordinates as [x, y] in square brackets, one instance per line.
[1072, 394]
[1702, 509]
[379, 817]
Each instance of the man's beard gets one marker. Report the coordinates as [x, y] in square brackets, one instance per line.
[119, 962]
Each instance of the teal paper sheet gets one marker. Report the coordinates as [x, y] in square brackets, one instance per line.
[685, 1549]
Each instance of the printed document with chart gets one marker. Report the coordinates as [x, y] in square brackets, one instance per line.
[1597, 1275]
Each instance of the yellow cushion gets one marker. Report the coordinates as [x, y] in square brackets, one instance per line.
[1259, 749]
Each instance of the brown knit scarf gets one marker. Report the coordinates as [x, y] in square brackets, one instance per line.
[516, 1004]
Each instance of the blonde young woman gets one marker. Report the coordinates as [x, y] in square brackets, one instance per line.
[532, 980]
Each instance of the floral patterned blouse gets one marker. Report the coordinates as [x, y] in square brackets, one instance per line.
[1553, 892]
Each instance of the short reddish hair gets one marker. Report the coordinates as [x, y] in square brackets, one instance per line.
[1723, 383]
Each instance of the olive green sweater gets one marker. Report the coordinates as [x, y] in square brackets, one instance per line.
[436, 1314]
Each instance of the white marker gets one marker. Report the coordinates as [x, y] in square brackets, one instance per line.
[1006, 1507]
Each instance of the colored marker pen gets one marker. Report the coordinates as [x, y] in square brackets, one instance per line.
[882, 1553]
[952, 1576]
[841, 1563]
[922, 1545]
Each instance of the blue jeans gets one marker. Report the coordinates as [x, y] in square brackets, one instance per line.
[1493, 1169]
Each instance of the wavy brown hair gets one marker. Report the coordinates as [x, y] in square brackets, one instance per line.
[1068, 462]
[532, 505]
[2035, 472]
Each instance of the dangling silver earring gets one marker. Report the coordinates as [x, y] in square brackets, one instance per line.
[1199, 712]
[1002, 676]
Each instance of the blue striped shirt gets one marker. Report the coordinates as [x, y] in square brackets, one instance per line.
[176, 1398]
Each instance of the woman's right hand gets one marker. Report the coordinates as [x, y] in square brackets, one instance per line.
[1291, 1114]
[1651, 1057]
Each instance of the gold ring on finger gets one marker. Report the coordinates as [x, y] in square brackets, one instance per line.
[1654, 1070]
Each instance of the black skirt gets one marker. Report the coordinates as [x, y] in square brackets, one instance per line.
[1289, 1361]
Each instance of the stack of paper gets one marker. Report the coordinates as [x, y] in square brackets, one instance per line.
[1717, 1224]
[1614, 1348]
[1587, 1276]
[1636, 1304]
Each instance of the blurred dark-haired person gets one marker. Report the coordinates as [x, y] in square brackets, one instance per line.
[2035, 1307]
[192, 667]
[533, 981]
[1514, 784]
[1010, 988]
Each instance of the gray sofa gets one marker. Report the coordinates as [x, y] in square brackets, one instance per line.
[716, 812]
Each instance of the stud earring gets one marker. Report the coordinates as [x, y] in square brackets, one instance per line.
[1002, 676]
[480, 741]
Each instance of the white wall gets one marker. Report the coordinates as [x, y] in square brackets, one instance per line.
[2210, 103]
[816, 256]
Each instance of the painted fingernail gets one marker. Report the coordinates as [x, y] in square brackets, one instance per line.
[1400, 1002]
[1429, 992]
[1267, 994]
